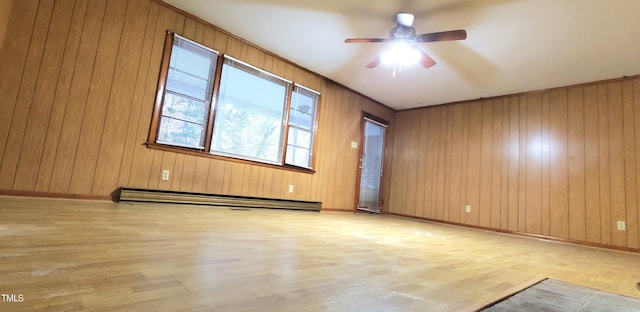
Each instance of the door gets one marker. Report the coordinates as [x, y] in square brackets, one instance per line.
[370, 168]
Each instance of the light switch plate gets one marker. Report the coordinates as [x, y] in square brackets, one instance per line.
[354, 144]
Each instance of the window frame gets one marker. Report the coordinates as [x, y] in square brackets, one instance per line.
[258, 73]
[312, 129]
[210, 114]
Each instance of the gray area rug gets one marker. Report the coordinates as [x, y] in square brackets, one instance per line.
[553, 295]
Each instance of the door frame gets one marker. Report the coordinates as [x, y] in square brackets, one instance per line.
[363, 117]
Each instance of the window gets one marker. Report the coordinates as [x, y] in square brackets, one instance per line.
[187, 96]
[302, 116]
[222, 107]
[251, 108]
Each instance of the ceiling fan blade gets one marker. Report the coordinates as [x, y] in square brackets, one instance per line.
[405, 19]
[426, 60]
[374, 62]
[459, 34]
[366, 40]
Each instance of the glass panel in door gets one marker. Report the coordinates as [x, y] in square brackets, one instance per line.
[371, 166]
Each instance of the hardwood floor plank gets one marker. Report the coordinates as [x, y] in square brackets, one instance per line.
[102, 256]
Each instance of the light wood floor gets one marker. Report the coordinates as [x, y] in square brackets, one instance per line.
[100, 256]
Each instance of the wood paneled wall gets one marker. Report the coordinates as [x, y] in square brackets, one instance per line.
[77, 91]
[5, 10]
[562, 163]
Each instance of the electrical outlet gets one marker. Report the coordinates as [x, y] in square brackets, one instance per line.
[622, 226]
[354, 144]
[467, 208]
[290, 188]
[165, 175]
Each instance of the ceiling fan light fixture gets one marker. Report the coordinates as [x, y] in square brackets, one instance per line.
[401, 53]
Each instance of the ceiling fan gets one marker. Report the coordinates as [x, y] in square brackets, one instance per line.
[404, 37]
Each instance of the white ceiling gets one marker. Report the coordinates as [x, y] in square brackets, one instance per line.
[512, 45]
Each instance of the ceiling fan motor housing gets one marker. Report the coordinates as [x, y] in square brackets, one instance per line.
[403, 33]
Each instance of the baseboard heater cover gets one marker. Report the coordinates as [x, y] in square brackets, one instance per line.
[126, 194]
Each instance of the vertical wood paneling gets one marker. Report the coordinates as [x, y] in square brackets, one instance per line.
[522, 165]
[486, 155]
[546, 162]
[636, 106]
[455, 180]
[42, 101]
[631, 197]
[254, 183]
[236, 177]
[448, 163]
[168, 163]
[323, 144]
[412, 163]
[246, 181]
[429, 153]
[190, 28]
[533, 152]
[139, 165]
[422, 166]
[138, 109]
[616, 162]
[14, 55]
[61, 97]
[464, 163]
[120, 103]
[496, 166]
[215, 177]
[176, 172]
[331, 198]
[514, 164]
[561, 162]
[577, 196]
[25, 95]
[559, 222]
[442, 162]
[261, 182]
[97, 99]
[156, 168]
[188, 173]
[436, 134]
[180, 23]
[77, 99]
[5, 13]
[592, 164]
[473, 166]
[504, 194]
[603, 144]
[342, 147]
[220, 43]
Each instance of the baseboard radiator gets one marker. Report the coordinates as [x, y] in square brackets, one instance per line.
[126, 194]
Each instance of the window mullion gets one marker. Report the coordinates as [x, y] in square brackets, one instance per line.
[286, 123]
[214, 104]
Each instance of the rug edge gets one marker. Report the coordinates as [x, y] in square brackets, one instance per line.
[511, 291]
